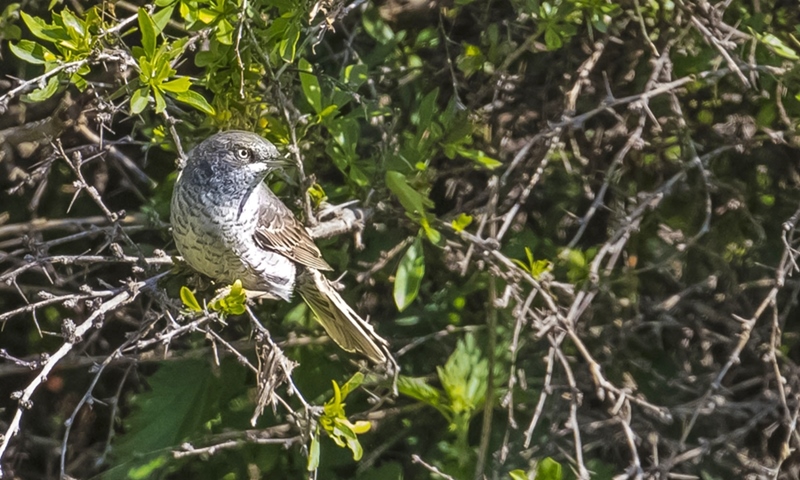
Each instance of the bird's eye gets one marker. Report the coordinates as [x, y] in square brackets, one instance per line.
[243, 153]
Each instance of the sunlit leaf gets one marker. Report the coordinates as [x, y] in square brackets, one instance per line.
[180, 84]
[310, 85]
[548, 469]
[161, 103]
[42, 94]
[75, 27]
[148, 30]
[461, 222]
[31, 52]
[42, 30]
[412, 200]
[518, 475]
[189, 300]
[408, 277]
[161, 18]
[139, 100]
[196, 100]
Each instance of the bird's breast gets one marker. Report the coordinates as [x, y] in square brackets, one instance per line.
[214, 232]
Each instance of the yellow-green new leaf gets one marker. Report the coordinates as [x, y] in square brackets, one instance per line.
[461, 222]
[147, 28]
[189, 300]
[179, 85]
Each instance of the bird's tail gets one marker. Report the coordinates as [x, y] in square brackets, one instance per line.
[342, 323]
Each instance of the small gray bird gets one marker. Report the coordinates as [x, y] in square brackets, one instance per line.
[229, 225]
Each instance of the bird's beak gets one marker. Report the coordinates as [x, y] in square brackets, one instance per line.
[282, 162]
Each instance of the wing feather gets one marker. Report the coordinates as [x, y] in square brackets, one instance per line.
[278, 230]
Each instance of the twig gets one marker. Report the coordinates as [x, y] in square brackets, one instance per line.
[125, 296]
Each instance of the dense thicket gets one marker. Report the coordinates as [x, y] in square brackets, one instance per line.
[574, 220]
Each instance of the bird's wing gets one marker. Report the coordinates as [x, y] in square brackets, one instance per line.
[278, 230]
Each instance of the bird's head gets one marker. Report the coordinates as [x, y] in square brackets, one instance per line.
[247, 152]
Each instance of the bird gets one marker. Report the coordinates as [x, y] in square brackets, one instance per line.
[229, 225]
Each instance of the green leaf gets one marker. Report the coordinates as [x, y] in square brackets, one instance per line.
[776, 44]
[427, 108]
[461, 222]
[465, 377]
[224, 32]
[419, 389]
[518, 475]
[139, 100]
[180, 84]
[46, 92]
[480, 157]
[196, 100]
[412, 200]
[548, 469]
[552, 39]
[354, 382]
[288, 45]
[356, 75]
[75, 27]
[184, 396]
[207, 16]
[161, 18]
[31, 52]
[310, 85]
[161, 104]
[42, 30]
[313, 453]
[317, 194]
[189, 300]
[234, 303]
[409, 275]
[433, 235]
[148, 469]
[148, 30]
[353, 444]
